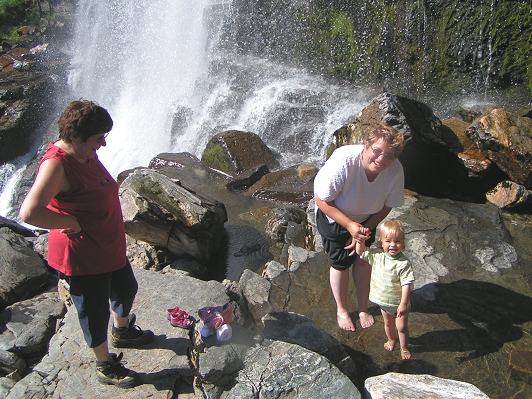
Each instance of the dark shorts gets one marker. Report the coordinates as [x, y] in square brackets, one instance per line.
[91, 296]
[334, 238]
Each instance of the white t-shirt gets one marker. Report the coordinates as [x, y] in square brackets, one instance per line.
[342, 179]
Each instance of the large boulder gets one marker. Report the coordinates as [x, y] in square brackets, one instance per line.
[160, 212]
[234, 151]
[397, 385]
[29, 325]
[429, 156]
[290, 186]
[22, 271]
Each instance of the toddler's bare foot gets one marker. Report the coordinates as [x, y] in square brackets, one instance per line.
[389, 345]
[366, 320]
[345, 322]
[405, 354]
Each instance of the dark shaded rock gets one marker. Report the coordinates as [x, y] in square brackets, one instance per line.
[247, 178]
[284, 187]
[25, 105]
[15, 227]
[234, 151]
[11, 362]
[22, 271]
[279, 218]
[431, 167]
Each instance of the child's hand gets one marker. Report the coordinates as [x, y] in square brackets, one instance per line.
[401, 310]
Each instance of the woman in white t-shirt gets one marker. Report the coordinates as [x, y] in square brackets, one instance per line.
[354, 191]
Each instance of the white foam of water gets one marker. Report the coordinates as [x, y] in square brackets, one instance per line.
[137, 60]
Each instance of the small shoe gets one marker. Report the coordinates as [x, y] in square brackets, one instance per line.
[113, 372]
[130, 336]
[181, 319]
[207, 331]
[224, 333]
[172, 312]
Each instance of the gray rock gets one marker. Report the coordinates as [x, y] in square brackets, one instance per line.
[22, 271]
[300, 330]
[283, 370]
[279, 219]
[162, 213]
[67, 371]
[11, 362]
[256, 291]
[30, 324]
[396, 385]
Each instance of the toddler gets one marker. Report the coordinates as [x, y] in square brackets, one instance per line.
[391, 280]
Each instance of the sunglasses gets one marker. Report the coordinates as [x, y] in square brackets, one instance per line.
[378, 152]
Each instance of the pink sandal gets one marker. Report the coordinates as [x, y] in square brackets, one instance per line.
[179, 318]
[172, 312]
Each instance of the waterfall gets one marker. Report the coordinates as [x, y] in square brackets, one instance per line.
[158, 68]
[155, 65]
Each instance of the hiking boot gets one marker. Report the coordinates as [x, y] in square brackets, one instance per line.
[130, 336]
[113, 372]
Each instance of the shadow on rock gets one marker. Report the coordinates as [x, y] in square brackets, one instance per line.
[488, 313]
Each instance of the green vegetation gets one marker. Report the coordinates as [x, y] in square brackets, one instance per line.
[215, 157]
[445, 45]
[13, 14]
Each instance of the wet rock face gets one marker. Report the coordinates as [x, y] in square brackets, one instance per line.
[506, 139]
[233, 152]
[24, 104]
[521, 365]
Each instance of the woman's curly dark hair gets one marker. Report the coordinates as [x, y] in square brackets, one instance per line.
[82, 119]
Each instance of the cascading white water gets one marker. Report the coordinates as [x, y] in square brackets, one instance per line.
[137, 59]
[156, 67]
[148, 63]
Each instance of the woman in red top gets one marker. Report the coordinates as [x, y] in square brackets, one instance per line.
[77, 199]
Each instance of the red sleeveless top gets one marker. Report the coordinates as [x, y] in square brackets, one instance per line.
[93, 199]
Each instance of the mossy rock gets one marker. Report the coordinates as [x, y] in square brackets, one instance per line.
[234, 151]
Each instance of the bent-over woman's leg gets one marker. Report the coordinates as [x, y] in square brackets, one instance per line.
[339, 280]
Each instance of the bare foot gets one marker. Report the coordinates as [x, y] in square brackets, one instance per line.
[345, 323]
[405, 354]
[389, 345]
[366, 320]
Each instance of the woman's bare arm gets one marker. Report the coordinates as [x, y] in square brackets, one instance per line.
[50, 181]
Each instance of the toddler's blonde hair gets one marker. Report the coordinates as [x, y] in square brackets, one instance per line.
[394, 228]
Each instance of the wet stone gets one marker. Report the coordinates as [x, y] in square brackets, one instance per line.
[521, 366]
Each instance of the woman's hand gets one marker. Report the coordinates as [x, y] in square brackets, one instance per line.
[71, 230]
[359, 233]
